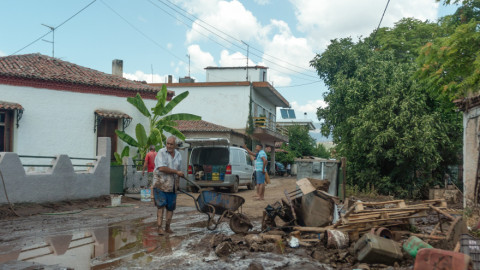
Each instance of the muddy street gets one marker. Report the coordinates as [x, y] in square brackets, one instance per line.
[125, 237]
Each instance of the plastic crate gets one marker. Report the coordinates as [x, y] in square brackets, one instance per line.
[471, 246]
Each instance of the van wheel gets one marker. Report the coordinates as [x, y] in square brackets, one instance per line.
[252, 184]
[234, 188]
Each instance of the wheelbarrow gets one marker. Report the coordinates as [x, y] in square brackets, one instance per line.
[214, 203]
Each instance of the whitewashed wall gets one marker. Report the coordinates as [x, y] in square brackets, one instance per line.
[61, 122]
[236, 75]
[226, 106]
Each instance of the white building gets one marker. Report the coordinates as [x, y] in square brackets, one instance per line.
[227, 99]
[49, 106]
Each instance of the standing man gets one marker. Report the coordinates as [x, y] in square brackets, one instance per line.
[166, 180]
[260, 164]
[289, 169]
[149, 164]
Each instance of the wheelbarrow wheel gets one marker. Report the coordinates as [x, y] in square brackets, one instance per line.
[239, 223]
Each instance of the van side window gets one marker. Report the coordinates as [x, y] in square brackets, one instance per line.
[236, 158]
[247, 158]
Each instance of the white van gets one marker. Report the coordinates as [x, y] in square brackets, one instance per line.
[214, 163]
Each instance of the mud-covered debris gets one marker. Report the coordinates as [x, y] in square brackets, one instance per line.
[238, 239]
[224, 249]
[362, 266]
[319, 255]
[253, 239]
[217, 239]
[255, 266]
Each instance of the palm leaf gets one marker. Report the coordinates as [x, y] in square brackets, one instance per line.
[126, 138]
[141, 135]
[174, 102]
[137, 101]
[153, 137]
[175, 132]
[162, 98]
[125, 151]
[182, 116]
[118, 159]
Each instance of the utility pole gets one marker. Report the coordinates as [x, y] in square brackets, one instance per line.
[188, 55]
[247, 56]
[53, 40]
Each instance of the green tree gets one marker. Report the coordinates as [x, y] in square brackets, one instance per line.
[393, 133]
[159, 119]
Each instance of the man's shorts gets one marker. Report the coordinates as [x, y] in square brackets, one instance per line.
[168, 199]
[260, 177]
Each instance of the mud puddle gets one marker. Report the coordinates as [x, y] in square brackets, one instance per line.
[135, 244]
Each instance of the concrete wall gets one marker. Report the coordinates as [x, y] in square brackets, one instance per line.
[470, 153]
[226, 106]
[60, 182]
[237, 74]
[62, 121]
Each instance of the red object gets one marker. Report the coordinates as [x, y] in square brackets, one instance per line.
[150, 159]
[190, 170]
[439, 259]
[207, 168]
[228, 170]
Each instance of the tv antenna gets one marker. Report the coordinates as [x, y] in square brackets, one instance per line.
[247, 56]
[188, 55]
[53, 39]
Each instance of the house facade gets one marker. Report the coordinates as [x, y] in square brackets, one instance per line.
[49, 106]
[227, 98]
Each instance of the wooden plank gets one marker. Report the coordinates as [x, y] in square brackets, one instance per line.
[305, 185]
[442, 212]
[383, 203]
[452, 226]
[312, 229]
[433, 237]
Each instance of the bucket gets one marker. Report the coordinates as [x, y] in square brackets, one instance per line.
[337, 239]
[116, 200]
[145, 195]
[413, 245]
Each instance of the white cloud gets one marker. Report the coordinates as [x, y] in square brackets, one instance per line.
[199, 59]
[2, 53]
[169, 46]
[236, 59]
[310, 108]
[230, 17]
[142, 76]
[325, 20]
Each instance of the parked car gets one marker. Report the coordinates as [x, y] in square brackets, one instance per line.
[279, 168]
[215, 163]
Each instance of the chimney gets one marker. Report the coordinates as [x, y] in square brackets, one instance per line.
[117, 67]
[170, 78]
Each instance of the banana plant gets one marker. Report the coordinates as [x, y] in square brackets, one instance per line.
[159, 119]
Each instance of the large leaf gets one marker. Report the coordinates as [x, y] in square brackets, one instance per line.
[118, 159]
[174, 102]
[141, 135]
[182, 116]
[162, 99]
[175, 132]
[153, 137]
[137, 101]
[125, 151]
[126, 138]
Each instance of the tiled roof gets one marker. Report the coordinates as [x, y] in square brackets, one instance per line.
[200, 125]
[46, 68]
[113, 114]
[10, 106]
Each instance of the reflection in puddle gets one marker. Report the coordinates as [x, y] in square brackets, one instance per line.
[135, 244]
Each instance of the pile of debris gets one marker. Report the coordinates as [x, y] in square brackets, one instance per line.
[361, 234]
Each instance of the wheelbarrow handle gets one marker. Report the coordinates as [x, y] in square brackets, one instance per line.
[192, 182]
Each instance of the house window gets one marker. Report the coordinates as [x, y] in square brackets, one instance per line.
[6, 130]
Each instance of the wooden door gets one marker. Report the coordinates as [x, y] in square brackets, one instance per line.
[107, 128]
[6, 130]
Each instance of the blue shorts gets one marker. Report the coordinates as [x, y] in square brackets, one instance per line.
[168, 199]
[260, 177]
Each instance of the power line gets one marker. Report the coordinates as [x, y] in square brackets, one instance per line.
[54, 28]
[231, 37]
[234, 37]
[297, 84]
[381, 19]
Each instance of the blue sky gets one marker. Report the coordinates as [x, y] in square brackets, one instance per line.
[147, 35]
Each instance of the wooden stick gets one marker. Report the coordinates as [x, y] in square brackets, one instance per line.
[457, 247]
[312, 229]
[433, 237]
[442, 212]
[452, 226]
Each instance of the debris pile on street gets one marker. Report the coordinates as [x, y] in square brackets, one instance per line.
[362, 234]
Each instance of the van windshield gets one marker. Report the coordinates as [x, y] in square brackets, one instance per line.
[210, 156]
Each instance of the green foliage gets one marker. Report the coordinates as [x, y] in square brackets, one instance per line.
[159, 121]
[300, 144]
[321, 151]
[395, 134]
[119, 157]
